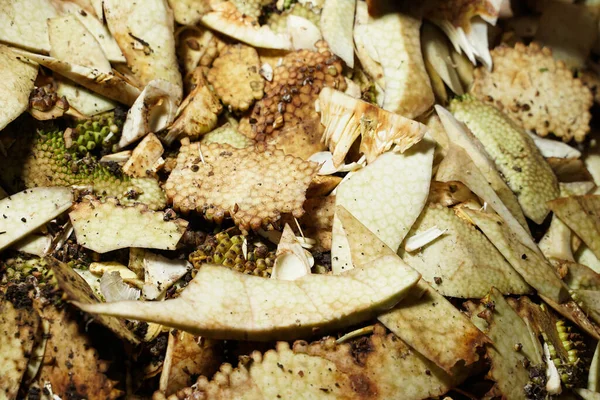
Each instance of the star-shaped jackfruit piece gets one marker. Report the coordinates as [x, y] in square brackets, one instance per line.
[253, 185]
[536, 91]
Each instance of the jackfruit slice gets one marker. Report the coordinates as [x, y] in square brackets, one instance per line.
[25, 16]
[222, 303]
[337, 21]
[17, 83]
[462, 262]
[516, 156]
[107, 226]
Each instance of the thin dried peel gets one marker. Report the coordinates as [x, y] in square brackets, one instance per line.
[582, 215]
[337, 21]
[526, 83]
[26, 211]
[388, 194]
[436, 52]
[144, 32]
[107, 226]
[253, 185]
[222, 303]
[143, 158]
[345, 118]
[24, 23]
[533, 267]
[81, 99]
[235, 78]
[514, 153]
[462, 262]
[17, 83]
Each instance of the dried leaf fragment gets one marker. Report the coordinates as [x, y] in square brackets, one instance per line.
[253, 185]
[108, 226]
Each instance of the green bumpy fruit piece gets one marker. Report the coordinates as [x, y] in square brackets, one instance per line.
[515, 154]
[99, 133]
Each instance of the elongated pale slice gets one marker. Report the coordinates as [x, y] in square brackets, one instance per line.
[594, 374]
[533, 267]
[23, 23]
[437, 53]
[291, 261]
[459, 134]
[226, 19]
[580, 276]
[24, 212]
[337, 21]
[107, 226]
[71, 42]
[365, 50]
[110, 85]
[345, 118]
[514, 152]
[396, 39]
[587, 257]
[582, 215]
[458, 166]
[144, 32]
[462, 262]
[83, 100]
[160, 273]
[35, 244]
[17, 83]
[77, 289]
[554, 148]
[589, 301]
[388, 195]
[304, 34]
[222, 303]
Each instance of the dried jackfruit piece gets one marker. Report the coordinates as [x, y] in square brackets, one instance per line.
[532, 266]
[279, 21]
[462, 262]
[17, 83]
[204, 306]
[107, 226]
[227, 134]
[582, 215]
[345, 118]
[24, 23]
[514, 153]
[144, 157]
[189, 12]
[290, 97]
[253, 185]
[337, 21]
[522, 77]
[235, 78]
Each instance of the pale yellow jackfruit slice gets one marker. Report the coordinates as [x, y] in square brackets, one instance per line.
[19, 327]
[107, 226]
[24, 23]
[26, 211]
[15, 86]
[512, 350]
[222, 303]
[580, 276]
[345, 118]
[144, 32]
[532, 266]
[81, 99]
[143, 158]
[436, 52]
[462, 262]
[364, 48]
[337, 21]
[388, 195]
[587, 257]
[514, 152]
[582, 215]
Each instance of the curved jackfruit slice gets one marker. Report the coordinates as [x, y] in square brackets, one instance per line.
[462, 262]
[17, 83]
[253, 185]
[222, 303]
[337, 21]
[514, 152]
[536, 91]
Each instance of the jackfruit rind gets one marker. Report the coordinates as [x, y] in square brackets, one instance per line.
[235, 78]
[337, 21]
[225, 304]
[226, 134]
[77, 289]
[384, 197]
[24, 23]
[582, 215]
[572, 311]
[189, 12]
[26, 211]
[532, 266]
[144, 32]
[251, 8]
[514, 152]
[580, 276]
[17, 83]
[536, 91]
[107, 226]
[462, 262]
[345, 118]
[253, 185]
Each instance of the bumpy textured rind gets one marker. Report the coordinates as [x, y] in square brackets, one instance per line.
[251, 8]
[290, 96]
[515, 154]
[226, 134]
[278, 21]
[462, 262]
[536, 91]
[107, 226]
[235, 78]
[253, 185]
[224, 304]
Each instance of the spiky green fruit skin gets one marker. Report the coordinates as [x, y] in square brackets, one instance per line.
[99, 133]
[227, 250]
[515, 154]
